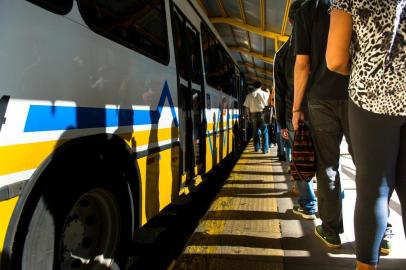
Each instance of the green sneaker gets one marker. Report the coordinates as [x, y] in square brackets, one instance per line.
[386, 245]
[331, 240]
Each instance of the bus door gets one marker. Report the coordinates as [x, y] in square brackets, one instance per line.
[190, 95]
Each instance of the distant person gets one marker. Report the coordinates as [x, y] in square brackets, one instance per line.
[327, 97]
[283, 77]
[255, 102]
[377, 110]
[269, 112]
[276, 130]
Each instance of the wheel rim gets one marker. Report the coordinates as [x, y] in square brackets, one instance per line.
[91, 232]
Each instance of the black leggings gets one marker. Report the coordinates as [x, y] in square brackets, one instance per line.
[379, 146]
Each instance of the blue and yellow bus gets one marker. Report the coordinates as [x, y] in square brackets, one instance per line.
[109, 111]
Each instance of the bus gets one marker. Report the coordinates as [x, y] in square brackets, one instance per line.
[109, 111]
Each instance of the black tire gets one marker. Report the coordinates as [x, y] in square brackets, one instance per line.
[82, 219]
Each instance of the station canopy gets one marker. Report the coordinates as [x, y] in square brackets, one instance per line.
[253, 30]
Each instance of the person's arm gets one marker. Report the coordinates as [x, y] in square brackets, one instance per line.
[272, 98]
[302, 42]
[339, 41]
[301, 77]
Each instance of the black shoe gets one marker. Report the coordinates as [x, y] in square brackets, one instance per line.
[331, 240]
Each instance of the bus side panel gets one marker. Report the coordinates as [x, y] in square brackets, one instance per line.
[159, 181]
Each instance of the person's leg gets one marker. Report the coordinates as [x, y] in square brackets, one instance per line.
[265, 148]
[264, 136]
[255, 132]
[400, 186]
[327, 136]
[279, 142]
[295, 189]
[291, 131]
[269, 127]
[260, 139]
[386, 245]
[307, 199]
[342, 111]
[288, 150]
[376, 143]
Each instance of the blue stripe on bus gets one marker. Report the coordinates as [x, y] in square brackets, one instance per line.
[48, 118]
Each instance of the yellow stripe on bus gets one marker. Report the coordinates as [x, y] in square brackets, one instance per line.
[22, 157]
[6, 210]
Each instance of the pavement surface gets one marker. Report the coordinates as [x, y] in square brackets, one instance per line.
[250, 224]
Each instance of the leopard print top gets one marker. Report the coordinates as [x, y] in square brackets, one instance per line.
[378, 74]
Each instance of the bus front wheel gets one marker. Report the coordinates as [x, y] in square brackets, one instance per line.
[79, 224]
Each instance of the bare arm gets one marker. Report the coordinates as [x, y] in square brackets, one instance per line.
[301, 77]
[339, 41]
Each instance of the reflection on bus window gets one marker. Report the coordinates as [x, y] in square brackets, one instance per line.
[218, 64]
[138, 24]
[193, 41]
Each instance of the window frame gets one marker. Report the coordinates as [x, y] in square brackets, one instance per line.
[176, 13]
[128, 44]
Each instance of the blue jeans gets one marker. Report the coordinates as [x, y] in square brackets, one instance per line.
[287, 148]
[279, 141]
[307, 199]
[271, 134]
[260, 132]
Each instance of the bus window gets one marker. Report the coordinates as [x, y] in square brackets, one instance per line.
[137, 24]
[58, 6]
[218, 64]
[178, 27]
[210, 58]
[194, 42]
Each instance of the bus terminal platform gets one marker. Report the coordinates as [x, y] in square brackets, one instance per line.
[250, 224]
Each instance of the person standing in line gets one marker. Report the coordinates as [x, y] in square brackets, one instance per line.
[327, 97]
[268, 117]
[283, 77]
[255, 102]
[377, 110]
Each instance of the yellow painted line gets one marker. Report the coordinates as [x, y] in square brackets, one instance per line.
[22, 157]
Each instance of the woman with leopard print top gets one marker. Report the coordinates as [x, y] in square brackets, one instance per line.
[376, 32]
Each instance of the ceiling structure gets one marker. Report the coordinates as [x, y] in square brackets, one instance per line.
[253, 30]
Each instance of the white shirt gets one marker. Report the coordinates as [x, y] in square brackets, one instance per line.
[256, 101]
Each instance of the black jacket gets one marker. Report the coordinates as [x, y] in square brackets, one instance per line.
[284, 65]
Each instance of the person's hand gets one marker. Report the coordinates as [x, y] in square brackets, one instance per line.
[297, 116]
[285, 133]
